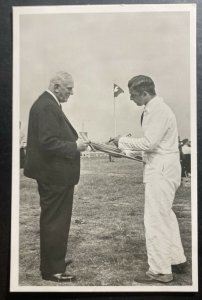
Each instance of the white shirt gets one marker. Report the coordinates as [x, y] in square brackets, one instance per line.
[186, 149]
[159, 129]
[54, 97]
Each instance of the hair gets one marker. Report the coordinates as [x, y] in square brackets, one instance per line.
[60, 78]
[185, 141]
[142, 83]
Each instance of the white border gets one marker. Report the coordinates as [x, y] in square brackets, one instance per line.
[14, 263]
[17, 12]
[193, 107]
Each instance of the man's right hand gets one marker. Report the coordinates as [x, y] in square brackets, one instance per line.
[81, 146]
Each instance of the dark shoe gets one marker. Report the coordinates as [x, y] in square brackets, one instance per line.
[180, 268]
[150, 277]
[61, 277]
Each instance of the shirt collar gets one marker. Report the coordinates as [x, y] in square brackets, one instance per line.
[53, 97]
[152, 103]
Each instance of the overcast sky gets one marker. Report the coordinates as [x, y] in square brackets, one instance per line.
[98, 50]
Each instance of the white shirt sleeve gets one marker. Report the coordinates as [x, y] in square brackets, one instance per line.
[155, 126]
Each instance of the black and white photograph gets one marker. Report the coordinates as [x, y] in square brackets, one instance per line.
[104, 161]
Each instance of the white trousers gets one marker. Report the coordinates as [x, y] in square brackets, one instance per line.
[164, 247]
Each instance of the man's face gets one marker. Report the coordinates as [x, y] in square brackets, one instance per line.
[136, 97]
[64, 90]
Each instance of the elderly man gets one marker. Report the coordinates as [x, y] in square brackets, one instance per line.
[53, 159]
[162, 175]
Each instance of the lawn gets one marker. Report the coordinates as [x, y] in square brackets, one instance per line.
[106, 241]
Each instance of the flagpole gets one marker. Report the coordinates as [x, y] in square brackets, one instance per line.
[114, 116]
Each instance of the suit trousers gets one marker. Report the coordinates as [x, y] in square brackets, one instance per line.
[56, 209]
[163, 241]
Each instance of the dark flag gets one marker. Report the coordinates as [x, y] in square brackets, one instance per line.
[117, 90]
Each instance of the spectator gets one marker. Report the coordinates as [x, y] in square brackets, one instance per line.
[22, 148]
[186, 149]
[185, 157]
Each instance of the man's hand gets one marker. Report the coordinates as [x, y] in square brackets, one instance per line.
[115, 140]
[81, 146]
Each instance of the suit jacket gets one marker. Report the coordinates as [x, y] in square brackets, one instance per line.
[52, 156]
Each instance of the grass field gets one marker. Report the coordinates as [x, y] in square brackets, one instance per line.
[106, 242]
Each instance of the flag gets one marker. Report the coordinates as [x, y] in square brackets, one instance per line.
[117, 90]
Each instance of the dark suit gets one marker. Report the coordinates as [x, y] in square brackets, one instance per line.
[53, 160]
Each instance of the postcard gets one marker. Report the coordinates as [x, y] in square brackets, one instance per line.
[84, 216]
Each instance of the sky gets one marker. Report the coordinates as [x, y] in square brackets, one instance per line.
[98, 50]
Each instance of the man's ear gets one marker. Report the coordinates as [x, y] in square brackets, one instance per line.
[56, 87]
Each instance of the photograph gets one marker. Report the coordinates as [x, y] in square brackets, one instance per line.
[104, 149]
